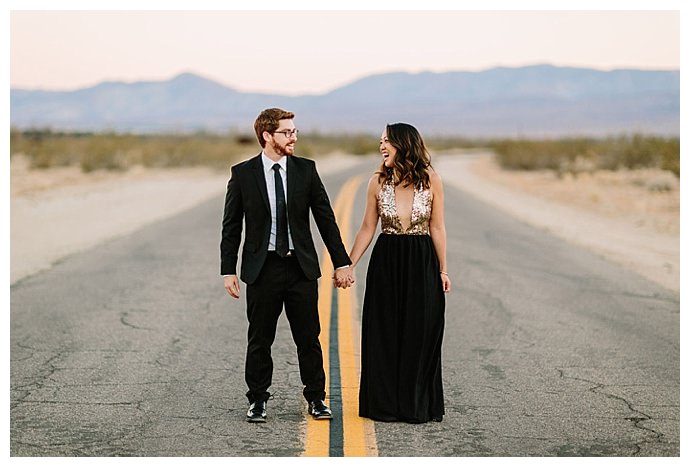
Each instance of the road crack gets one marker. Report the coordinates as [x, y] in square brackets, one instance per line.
[637, 419]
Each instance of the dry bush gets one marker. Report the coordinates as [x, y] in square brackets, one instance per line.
[579, 155]
[111, 151]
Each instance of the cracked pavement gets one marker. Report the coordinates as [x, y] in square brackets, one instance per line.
[134, 349]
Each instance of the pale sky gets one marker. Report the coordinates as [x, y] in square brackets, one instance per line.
[310, 52]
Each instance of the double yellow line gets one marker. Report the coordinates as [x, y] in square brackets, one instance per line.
[350, 435]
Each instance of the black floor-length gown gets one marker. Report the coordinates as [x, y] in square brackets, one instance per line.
[402, 319]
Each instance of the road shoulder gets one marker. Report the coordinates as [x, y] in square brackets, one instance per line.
[650, 253]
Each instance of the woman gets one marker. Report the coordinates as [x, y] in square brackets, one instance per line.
[404, 302]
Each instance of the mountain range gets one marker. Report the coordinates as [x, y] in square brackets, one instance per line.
[530, 101]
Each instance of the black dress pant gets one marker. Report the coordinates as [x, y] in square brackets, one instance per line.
[282, 283]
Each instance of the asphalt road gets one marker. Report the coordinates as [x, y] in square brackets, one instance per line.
[133, 348]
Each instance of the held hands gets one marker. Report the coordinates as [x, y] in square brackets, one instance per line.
[343, 277]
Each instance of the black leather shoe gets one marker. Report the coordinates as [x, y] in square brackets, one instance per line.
[319, 410]
[257, 412]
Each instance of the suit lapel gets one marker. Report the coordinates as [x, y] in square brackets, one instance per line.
[260, 178]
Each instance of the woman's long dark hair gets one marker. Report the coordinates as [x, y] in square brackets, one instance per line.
[412, 160]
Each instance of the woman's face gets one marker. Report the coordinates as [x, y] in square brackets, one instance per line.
[387, 150]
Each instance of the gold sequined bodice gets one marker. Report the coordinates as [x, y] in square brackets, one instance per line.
[388, 212]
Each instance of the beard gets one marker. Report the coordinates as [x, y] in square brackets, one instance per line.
[282, 150]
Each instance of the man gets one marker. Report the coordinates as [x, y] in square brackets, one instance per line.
[273, 193]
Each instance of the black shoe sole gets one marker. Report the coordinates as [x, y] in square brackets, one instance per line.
[321, 417]
[256, 420]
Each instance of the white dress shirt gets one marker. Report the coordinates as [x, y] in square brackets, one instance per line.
[271, 187]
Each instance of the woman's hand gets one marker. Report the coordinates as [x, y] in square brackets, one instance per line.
[445, 282]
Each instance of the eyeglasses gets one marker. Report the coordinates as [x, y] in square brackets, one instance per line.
[289, 133]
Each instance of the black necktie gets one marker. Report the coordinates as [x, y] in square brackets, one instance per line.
[282, 246]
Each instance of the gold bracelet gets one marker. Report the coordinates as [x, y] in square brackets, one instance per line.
[444, 272]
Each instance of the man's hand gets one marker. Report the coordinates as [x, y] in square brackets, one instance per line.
[343, 278]
[232, 285]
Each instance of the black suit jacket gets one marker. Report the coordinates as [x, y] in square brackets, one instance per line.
[247, 199]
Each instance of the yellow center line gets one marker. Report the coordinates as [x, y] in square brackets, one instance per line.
[318, 432]
[359, 438]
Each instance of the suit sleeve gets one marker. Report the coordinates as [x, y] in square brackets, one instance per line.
[231, 234]
[325, 221]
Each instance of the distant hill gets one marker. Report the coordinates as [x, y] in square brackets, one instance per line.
[534, 101]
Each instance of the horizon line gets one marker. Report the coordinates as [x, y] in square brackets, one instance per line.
[264, 92]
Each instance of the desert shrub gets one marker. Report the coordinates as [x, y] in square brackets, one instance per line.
[584, 155]
[669, 155]
[45, 148]
[317, 144]
[111, 151]
[633, 153]
[105, 152]
[559, 155]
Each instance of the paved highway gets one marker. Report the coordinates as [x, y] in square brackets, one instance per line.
[133, 348]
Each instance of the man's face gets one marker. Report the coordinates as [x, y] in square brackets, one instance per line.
[284, 139]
